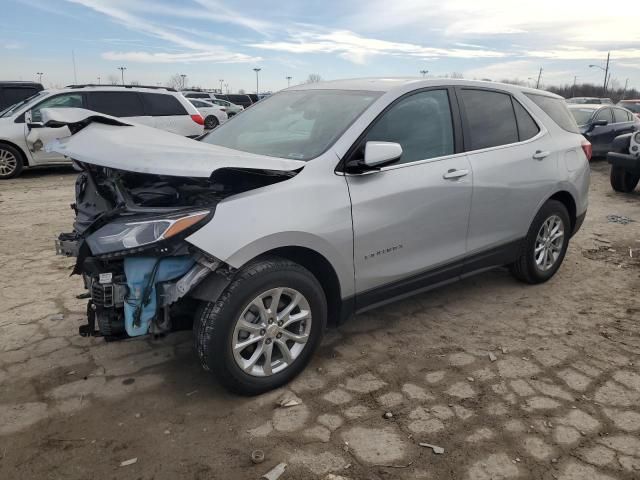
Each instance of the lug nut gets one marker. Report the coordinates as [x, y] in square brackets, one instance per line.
[270, 321]
[280, 323]
[268, 341]
[279, 335]
[263, 331]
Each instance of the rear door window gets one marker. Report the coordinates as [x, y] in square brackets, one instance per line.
[490, 118]
[116, 104]
[527, 126]
[161, 105]
[620, 115]
[557, 109]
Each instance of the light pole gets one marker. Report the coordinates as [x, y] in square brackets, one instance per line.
[98, 79]
[606, 74]
[288, 81]
[226, 85]
[257, 70]
[624, 92]
[39, 76]
[184, 81]
[221, 82]
[539, 77]
[424, 73]
[122, 69]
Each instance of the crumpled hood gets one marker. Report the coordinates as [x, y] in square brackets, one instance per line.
[97, 139]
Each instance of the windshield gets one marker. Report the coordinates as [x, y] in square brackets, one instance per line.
[582, 115]
[298, 125]
[7, 112]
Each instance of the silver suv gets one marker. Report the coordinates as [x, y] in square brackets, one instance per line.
[319, 202]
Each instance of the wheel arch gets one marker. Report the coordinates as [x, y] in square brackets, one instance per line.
[566, 198]
[25, 157]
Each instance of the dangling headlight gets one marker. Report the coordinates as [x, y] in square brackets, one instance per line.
[124, 234]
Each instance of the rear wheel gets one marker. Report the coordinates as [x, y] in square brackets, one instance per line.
[264, 328]
[545, 246]
[623, 181]
[11, 162]
[211, 122]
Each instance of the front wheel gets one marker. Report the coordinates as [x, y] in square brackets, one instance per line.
[264, 328]
[11, 163]
[623, 181]
[545, 245]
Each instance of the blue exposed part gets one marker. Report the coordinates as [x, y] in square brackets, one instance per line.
[140, 272]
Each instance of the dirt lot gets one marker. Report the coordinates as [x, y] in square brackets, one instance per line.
[513, 381]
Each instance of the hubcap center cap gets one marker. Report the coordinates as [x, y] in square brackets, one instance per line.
[272, 330]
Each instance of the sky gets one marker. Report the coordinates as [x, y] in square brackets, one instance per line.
[216, 42]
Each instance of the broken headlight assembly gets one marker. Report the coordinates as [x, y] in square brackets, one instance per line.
[134, 233]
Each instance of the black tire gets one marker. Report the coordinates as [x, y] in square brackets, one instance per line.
[525, 267]
[215, 322]
[623, 181]
[11, 162]
[211, 122]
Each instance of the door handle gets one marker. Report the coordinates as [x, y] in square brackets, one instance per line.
[453, 174]
[540, 155]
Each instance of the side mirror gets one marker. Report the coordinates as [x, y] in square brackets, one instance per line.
[29, 121]
[377, 154]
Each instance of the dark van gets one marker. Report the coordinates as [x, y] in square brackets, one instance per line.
[13, 92]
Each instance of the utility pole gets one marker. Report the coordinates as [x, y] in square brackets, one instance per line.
[221, 82]
[424, 73]
[257, 70]
[624, 92]
[226, 85]
[39, 76]
[539, 77]
[288, 81]
[606, 73]
[122, 69]
[184, 81]
[98, 79]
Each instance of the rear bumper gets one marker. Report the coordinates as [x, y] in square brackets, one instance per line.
[629, 162]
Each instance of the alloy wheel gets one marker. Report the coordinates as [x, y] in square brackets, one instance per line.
[549, 243]
[271, 332]
[210, 122]
[8, 163]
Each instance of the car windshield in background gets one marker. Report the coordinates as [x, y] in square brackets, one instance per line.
[634, 107]
[295, 124]
[7, 112]
[582, 115]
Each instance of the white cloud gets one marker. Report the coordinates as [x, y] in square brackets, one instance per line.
[358, 49]
[189, 57]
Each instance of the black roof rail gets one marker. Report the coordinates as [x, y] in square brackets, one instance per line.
[154, 87]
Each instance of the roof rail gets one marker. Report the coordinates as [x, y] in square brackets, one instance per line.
[155, 87]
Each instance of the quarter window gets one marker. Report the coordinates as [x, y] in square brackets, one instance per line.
[620, 115]
[604, 114]
[68, 100]
[490, 118]
[527, 127]
[162, 105]
[116, 104]
[557, 109]
[420, 123]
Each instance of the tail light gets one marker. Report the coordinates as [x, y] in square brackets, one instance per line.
[587, 149]
[198, 119]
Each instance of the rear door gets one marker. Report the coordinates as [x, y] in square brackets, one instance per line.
[513, 164]
[623, 122]
[168, 113]
[124, 104]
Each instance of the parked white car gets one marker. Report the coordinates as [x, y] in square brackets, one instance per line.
[231, 108]
[161, 108]
[213, 115]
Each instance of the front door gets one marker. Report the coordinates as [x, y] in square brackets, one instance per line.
[410, 218]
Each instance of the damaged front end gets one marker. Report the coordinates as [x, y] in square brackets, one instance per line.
[130, 228]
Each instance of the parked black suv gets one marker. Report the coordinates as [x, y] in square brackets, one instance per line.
[238, 99]
[14, 91]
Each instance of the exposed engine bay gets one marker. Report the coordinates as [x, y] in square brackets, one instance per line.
[128, 240]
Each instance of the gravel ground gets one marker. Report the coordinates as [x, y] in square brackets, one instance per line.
[513, 381]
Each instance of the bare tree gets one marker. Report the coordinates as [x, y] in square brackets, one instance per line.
[134, 82]
[241, 91]
[313, 78]
[457, 75]
[175, 81]
[113, 79]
